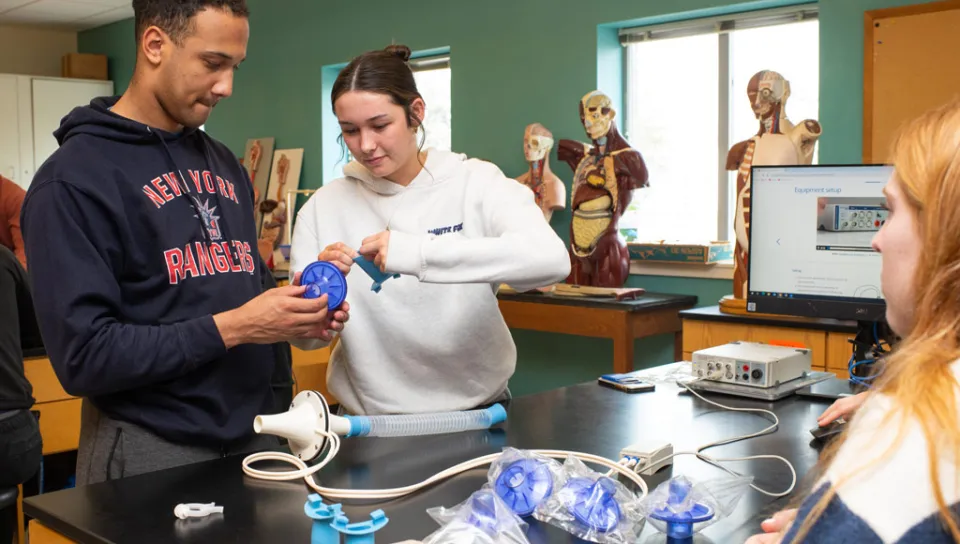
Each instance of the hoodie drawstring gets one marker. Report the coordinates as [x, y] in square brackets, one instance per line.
[216, 196]
[182, 184]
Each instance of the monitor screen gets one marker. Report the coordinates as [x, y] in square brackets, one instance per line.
[811, 229]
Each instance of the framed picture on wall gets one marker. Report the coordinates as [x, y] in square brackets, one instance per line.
[257, 158]
[284, 178]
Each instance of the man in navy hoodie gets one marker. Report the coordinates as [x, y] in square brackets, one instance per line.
[140, 235]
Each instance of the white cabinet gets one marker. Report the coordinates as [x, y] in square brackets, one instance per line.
[10, 129]
[31, 109]
[16, 130]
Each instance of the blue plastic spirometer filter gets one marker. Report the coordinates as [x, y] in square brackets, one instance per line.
[524, 484]
[483, 513]
[680, 522]
[594, 503]
[323, 278]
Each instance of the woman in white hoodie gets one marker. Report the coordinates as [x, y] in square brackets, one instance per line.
[454, 228]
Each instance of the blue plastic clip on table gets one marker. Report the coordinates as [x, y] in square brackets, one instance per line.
[322, 515]
[374, 273]
[361, 532]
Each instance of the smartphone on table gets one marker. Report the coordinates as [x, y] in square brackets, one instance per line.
[626, 382]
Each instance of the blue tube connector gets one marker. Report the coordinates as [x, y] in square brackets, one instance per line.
[361, 532]
[322, 515]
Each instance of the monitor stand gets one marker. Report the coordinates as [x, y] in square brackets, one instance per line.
[831, 389]
[872, 341]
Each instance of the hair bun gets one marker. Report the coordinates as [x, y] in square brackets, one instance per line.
[401, 51]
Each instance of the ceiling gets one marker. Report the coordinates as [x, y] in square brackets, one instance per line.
[64, 14]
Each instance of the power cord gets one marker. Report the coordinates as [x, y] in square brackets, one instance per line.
[306, 472]
[629, 468]
[716, 461]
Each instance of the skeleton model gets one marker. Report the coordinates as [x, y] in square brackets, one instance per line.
[548, 190]
[778, 142]
[605, 174]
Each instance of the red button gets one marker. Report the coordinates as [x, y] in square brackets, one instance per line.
[746, 368]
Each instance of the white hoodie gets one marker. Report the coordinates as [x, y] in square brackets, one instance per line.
[432, 339]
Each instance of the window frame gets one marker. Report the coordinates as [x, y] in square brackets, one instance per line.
[722, 26]
[429, 63]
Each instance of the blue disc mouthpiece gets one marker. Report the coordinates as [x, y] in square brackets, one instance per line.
[323, 278]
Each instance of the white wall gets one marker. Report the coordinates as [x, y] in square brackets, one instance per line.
[34, 51]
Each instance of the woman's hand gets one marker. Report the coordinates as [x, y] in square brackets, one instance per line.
[779, 521]
[338, 319]
[844, 408]
[339, 254]
[374, 248]
[765, 538]
[774, 527]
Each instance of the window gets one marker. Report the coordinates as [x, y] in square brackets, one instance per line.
[433, 81]
[686, 105]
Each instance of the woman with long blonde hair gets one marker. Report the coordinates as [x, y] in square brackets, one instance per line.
[894, 475]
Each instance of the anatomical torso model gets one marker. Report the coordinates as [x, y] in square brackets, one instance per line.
[777, 142]
[605, 174]
[548, 189]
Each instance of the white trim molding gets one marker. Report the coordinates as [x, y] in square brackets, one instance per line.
[718, 271]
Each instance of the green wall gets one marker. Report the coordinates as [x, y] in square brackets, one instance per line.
[513, 63]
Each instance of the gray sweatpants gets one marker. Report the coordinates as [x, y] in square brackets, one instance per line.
[111, 449]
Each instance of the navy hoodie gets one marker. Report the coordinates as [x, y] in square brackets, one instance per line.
[136, 237]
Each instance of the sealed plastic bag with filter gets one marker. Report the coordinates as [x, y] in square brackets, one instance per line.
[680, 507]
[523, 479]
[481, 519]
[592, 506]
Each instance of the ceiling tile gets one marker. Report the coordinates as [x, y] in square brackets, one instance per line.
[108, 3]
[7, 5]
[53, 11]
[105, 18]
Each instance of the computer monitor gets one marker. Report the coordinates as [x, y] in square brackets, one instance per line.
[811, 230]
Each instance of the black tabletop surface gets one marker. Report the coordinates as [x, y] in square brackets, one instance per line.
[586, 417]
[713, 313]
[645, 302]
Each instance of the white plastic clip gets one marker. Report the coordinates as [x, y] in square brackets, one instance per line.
[196, 510]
